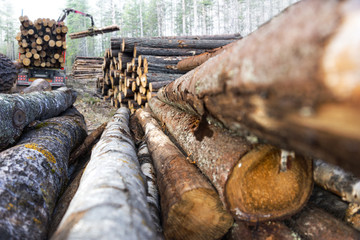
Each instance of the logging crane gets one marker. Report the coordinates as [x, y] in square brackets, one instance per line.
[92, 31]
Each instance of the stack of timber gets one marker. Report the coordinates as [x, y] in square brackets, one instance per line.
[87, 68]
[42, 43]
[135, 68]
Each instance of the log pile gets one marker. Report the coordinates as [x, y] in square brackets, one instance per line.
[42, 43]
[135, 68]
[86, 68]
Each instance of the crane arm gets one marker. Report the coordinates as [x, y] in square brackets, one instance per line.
[67, 11]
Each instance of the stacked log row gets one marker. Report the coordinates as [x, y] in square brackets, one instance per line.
[135, 68]
[86, 68]
[42, 43]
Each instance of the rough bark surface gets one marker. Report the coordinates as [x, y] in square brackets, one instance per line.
[273, 230]
[87, 144]
[336, 180]
[315, 224]
[152, 193]
[38, 85]
[90, 33]
[32, 174]
[110, 202]
[18, 110]
[246, 175]
[292, 82]
[191, 208]
[8, 74]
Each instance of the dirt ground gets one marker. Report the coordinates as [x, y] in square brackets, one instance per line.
[95, 110]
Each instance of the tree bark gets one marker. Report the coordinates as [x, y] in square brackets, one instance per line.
[273, 230]
[301, 105]
[246, 175]
[94, 32]
[165, 51]
[38, 85]
[190, 206]
[152, 193]
[33, 173]
[195, 61]
[111, 194]
[8, 74]
[18, 110]
[313, 223]
[336, 180]
[87, 144]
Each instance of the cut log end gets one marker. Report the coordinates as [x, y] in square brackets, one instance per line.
[264, 192]
[202, 217]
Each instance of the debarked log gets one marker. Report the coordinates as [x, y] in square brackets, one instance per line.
[191, 208]
[298, 89]
[247, 176]
[32, 174]
[111, 194]
[18, 110]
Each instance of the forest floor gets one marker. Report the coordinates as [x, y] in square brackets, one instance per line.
[95, 110]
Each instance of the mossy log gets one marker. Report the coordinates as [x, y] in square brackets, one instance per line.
[247, 176]
[191, 208]
[293, 82]
[18, 110]
[316, 224]
[32, 174]
[152, 192]
[110, 202]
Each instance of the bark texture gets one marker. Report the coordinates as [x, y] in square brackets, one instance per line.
[152, 193]
[32, 174]
[38, 85]
[88, 143]
[292, 82]
[336, 180]
[191, 208]
[246, 175]
[90, 33]
[18, 110]
[315, 224]
[8, 74]
[110, 202]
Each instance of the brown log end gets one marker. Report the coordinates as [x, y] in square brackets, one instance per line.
[19, 118]
[198, 215]
[352, 215]
[257, 190]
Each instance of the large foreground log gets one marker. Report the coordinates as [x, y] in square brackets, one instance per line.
[297, 88]
[32, 174]
[110, 202]
[191, 208]
[18, 110]
[247, 176]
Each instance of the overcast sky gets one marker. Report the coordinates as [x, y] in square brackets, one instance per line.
[38, 8]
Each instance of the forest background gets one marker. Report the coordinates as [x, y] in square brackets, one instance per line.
[145, 18]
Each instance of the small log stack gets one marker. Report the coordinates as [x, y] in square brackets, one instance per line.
[135, 68]
[42, 43]
[86, 68]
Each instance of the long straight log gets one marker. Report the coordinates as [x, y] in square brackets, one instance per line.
[94, 32]
[232, 36]
[297, 89]
[315, 224]
[247, 176]
[165, 51]
[195, 61]
[163, 59]
[191, 208]
[159, 77]
[32, 174]
[18, 110]
[336, 180]
[111, 194]
[152, 193]
[130, 43]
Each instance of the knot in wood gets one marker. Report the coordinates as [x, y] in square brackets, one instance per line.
[19, 118]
